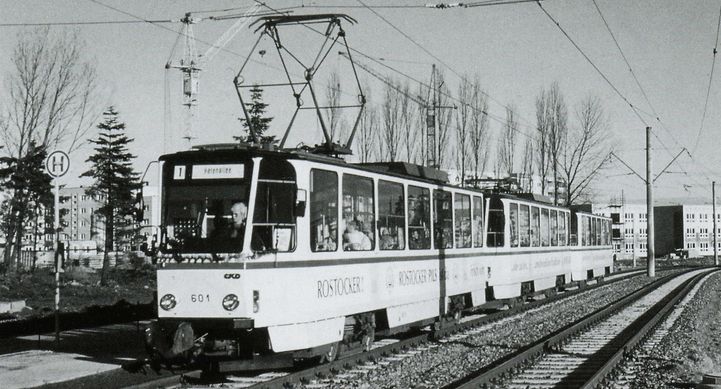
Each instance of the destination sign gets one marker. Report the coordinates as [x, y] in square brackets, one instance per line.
[209, 172]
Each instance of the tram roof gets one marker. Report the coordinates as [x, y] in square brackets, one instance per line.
[229, 152]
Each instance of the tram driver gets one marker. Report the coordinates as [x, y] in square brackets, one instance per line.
[354, 239]
[239, 212]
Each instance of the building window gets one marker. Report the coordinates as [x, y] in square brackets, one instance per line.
[643, 217]
[690, 217]
[691, 245]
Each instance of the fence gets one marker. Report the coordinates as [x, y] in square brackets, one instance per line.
[73, 257]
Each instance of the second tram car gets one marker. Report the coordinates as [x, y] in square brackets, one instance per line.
[289, 254]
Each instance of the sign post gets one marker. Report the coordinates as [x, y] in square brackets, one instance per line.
[57, 164]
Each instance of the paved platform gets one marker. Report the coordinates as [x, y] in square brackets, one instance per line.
[32, 361]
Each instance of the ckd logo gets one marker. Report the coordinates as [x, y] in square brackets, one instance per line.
[231, 276]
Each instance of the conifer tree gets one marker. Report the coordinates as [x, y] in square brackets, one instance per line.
[259, 124]
[29, 184]
[115, 183]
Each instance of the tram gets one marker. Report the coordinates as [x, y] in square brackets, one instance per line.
[274, 256]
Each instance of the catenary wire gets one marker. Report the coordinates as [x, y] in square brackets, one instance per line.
[708, 90]
[588, 59]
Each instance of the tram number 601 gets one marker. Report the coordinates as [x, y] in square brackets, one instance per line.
[200, 298]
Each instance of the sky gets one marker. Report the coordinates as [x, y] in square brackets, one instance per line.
[515, 50]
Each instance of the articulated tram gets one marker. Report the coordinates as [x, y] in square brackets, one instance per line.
[285, 255]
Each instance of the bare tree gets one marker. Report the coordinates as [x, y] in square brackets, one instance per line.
[49, 103]
[368, 130]
[507, 143]
[586, 149]
[552, 118]
[527, 166]
[391, 132]
[50, 92]
[464, 114]
[479, 134]
[333, 113]
[409, 114]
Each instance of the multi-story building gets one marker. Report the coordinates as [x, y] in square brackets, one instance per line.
[81, 227]
[84, 229]
[686, 227]
[629, 230]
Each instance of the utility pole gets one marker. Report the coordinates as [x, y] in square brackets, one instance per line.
[715, 246]
[431, 159]
[650, 249]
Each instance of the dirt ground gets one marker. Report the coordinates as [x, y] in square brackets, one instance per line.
[79, 288]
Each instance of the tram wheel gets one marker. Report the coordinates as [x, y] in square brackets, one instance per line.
[331, 354]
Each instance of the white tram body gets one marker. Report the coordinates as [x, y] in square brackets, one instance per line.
[293, 284]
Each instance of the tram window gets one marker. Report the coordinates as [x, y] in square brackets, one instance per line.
[462, 209]
[477, 221]
[358, 209]
[554, 227]
[582, 240]
[442, 219]
[586, 230]
[419, 218]
[513, 219]
[535, 227]
[598, 232]
[496, 223]
[391, 215]
[323, 210]
[606, 232]
[563, 228]
[545, 230]
[273, 218]
[524, 225]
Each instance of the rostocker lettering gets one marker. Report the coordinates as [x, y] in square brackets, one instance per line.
[339, 286]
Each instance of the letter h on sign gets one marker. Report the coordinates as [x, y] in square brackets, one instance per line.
[57, 163]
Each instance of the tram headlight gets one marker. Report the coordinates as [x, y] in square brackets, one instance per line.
[168, 302]
[230, 302]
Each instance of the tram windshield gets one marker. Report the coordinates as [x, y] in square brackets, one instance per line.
[205, 218]
[207, 209]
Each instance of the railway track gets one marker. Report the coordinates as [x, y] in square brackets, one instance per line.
[585, 353]
[383, 353]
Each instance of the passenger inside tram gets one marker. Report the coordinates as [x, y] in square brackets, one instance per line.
[354, 239]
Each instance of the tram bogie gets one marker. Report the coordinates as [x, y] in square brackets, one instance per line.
[265, 253]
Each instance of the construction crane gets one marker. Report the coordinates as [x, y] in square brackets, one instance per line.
[191, 63]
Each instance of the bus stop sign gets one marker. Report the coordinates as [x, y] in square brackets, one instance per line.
[57, 163]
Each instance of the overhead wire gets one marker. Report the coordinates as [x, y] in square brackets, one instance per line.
[84, 23]
[452, 70]
[710, 78]
[588, 59]
[655, 115]
[637, 111]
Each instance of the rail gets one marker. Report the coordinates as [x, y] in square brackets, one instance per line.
[498, 373]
